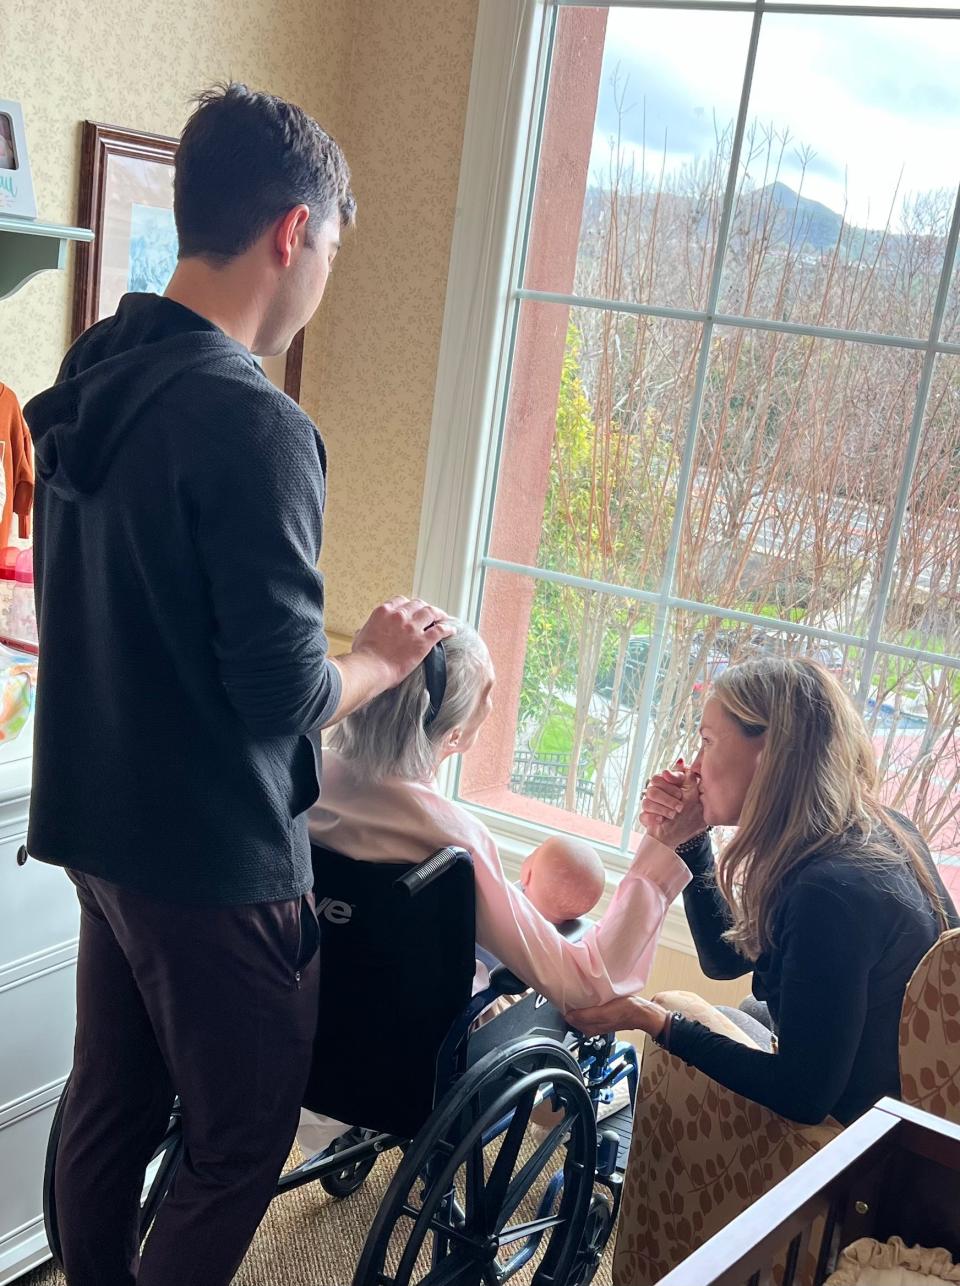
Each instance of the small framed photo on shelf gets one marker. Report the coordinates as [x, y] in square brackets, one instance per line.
[16, 182]
[126, 197]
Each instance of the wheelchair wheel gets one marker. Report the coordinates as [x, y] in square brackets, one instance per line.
[344, 1182]
[593, 1243]
[159, 1177]
[476, 1197]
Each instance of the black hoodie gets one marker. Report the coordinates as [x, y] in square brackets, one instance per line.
[179, 517]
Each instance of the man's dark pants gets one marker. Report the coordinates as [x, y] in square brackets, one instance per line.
[217, 1005]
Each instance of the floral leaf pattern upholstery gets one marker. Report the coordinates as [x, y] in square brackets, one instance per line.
[702, 1154]
[930, 1031]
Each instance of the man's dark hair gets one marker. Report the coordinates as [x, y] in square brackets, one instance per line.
[244, 160]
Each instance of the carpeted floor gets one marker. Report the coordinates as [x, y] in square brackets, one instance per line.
[309, 1239]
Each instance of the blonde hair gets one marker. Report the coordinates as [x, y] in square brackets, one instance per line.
[815, 785]
[386, 737]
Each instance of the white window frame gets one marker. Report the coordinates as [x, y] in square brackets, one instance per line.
[510, 65]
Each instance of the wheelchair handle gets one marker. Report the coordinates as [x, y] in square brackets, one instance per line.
[426, 872]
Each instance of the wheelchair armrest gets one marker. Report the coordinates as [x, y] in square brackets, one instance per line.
[573, 930]
[426, 872]
[505, 983]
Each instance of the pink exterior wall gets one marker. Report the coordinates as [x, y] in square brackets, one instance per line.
[531, 417]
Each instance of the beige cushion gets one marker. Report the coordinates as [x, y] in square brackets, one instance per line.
[872, 1263]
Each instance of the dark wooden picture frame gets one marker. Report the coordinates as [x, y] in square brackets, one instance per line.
[100, 144]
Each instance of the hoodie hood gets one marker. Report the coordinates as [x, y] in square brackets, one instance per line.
[112, 372]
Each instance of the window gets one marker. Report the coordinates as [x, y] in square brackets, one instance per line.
[727, 418]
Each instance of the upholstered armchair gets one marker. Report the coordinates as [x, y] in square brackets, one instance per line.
[701, 1154]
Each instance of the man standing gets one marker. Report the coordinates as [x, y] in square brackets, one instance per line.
[183, 661]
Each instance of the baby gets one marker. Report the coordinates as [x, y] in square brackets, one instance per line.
[563, 877]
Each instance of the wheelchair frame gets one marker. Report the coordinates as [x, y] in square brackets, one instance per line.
[490, 1080]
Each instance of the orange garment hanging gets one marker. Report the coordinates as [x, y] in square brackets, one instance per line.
[17, 466]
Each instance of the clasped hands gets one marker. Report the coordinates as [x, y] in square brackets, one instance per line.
[672, 813]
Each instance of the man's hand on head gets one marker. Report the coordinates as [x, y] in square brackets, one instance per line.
[400, 633]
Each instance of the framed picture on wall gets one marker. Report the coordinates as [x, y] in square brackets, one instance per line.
[126, 197]
[16, 184]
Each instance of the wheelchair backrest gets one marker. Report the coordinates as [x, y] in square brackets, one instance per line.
[396, 970]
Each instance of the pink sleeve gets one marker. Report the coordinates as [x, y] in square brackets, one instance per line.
[614, 956]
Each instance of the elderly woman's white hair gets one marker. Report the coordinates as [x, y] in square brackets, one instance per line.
[386, 737]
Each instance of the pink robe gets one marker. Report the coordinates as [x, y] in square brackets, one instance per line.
[403, 821]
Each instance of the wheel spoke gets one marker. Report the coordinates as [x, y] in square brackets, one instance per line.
[453, 1234]
[458, 1269]
[499, 1180]
[475, 1195]
[525, 1177]
[443, 1149]
[166, 1171]
[518, 1231]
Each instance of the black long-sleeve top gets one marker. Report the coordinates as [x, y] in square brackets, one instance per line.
[847, 935]
[179, 518]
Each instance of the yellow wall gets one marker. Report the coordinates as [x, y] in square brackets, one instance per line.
[677, 971]
[136, 65]
[409, 82]
[389, 78]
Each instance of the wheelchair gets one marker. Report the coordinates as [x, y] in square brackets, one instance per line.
[503, 1165]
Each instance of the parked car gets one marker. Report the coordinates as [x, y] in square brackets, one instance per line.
[705, 669]
[723, 648]
[631, 680]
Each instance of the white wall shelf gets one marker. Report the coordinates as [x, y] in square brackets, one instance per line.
[28, 247]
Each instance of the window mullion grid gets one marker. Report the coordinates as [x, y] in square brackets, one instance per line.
[769, 6]
[910, 459]
[818, 632]
[665, 601]
[685, 476]
[741, 320]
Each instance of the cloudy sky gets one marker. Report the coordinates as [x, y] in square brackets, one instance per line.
[876, 100]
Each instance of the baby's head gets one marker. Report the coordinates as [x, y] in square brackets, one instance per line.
[391, 736]
[563, 877]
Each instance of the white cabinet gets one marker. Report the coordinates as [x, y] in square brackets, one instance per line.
[39, 922]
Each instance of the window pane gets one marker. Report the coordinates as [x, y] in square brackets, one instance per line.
[913, 716]
[923, 610]
[596, 420]
[635, 153]
[801, 442]
[698, 648]
[570, 667]
[848, 173]
[896, 4]
[915, 704]
[950, 329]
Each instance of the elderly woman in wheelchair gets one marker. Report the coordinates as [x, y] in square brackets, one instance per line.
[422, 934]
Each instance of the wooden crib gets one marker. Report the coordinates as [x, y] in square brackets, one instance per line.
[895, 1172]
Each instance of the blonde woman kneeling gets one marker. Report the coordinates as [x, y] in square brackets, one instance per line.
[827, 897]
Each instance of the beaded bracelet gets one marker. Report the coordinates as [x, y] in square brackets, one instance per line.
[663, 1040]
[689, 845]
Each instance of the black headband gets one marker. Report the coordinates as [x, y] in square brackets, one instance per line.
[435, 680]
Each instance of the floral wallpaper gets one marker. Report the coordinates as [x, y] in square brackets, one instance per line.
[405, 119]
[389, 79]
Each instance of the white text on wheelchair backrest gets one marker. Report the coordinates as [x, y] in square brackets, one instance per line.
[334, 911]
